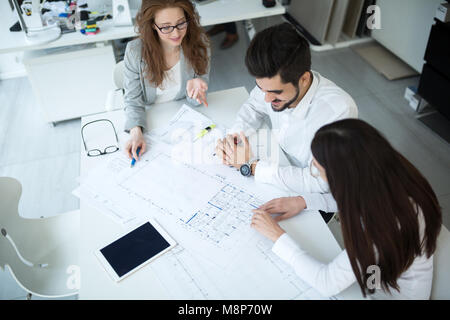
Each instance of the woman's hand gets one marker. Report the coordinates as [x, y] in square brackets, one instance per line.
[287, 207]
[136, 140]
[266, 225]
[196, 89]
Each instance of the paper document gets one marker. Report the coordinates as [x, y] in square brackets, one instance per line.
[185, 124]
[210, 204]
[181, 133]
[257, 273]
[205, 207]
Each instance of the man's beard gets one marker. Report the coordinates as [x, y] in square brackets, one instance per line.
[287, 104]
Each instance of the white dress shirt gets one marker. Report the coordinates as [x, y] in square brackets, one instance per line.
[334, 277]
[294, 128]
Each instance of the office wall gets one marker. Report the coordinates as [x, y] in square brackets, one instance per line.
[406, 26]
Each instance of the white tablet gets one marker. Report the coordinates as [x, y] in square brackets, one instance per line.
[133, 250]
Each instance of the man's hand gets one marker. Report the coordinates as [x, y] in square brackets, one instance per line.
[136, 140]
[234, 150]
[287, 207]
[266, 225]
[196, 89]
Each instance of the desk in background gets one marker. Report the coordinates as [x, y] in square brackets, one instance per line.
[66, 92]
[219, 11]
[97, 229]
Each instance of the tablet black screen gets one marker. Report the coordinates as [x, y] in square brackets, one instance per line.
[134, 248]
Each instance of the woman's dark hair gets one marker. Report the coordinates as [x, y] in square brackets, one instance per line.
[195, 43]
[379, 194]
[278, 50]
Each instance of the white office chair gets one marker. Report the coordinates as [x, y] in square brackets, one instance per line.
[114, 100]
[118, 74]
[41, 254]
[441, 272]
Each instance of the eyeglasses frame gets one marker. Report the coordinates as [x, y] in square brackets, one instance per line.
[104, 151]
[173, 27]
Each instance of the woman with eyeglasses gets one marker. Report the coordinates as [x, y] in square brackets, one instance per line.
[168, 61]
[389, 214]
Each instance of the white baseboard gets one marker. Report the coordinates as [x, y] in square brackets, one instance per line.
[340, 44]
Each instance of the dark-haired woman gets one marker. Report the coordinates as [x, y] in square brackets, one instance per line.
[389, 214]
[169, 61]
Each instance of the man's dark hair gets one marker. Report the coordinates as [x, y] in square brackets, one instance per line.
[280, 50]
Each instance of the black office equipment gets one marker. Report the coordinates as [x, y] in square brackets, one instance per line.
[16, 27]
[269, 3]
[434, 85]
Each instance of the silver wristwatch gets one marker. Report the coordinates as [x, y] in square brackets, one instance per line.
[246, 168]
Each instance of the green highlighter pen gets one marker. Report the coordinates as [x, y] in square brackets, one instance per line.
[204, 131]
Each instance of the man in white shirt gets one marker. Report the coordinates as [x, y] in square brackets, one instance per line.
[298, 101]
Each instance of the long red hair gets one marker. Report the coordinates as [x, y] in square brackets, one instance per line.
[195, 43]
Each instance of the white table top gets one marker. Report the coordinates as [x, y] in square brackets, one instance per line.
[218, 11]
[97, 229]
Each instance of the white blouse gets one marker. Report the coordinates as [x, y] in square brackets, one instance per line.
[334, 277]
[171, 85]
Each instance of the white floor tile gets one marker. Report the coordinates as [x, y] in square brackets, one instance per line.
[9, 288]
[427, 152]
[26, 136]
[46, 185]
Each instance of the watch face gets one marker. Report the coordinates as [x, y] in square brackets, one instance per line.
[245, 170]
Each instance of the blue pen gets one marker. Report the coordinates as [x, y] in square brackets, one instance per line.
[133, 161]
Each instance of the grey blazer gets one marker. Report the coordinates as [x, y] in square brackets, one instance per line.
[139, 92]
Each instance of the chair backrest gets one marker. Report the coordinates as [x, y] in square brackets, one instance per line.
[38, 252]
[10, 192]
[118, 75]
[441, 267]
